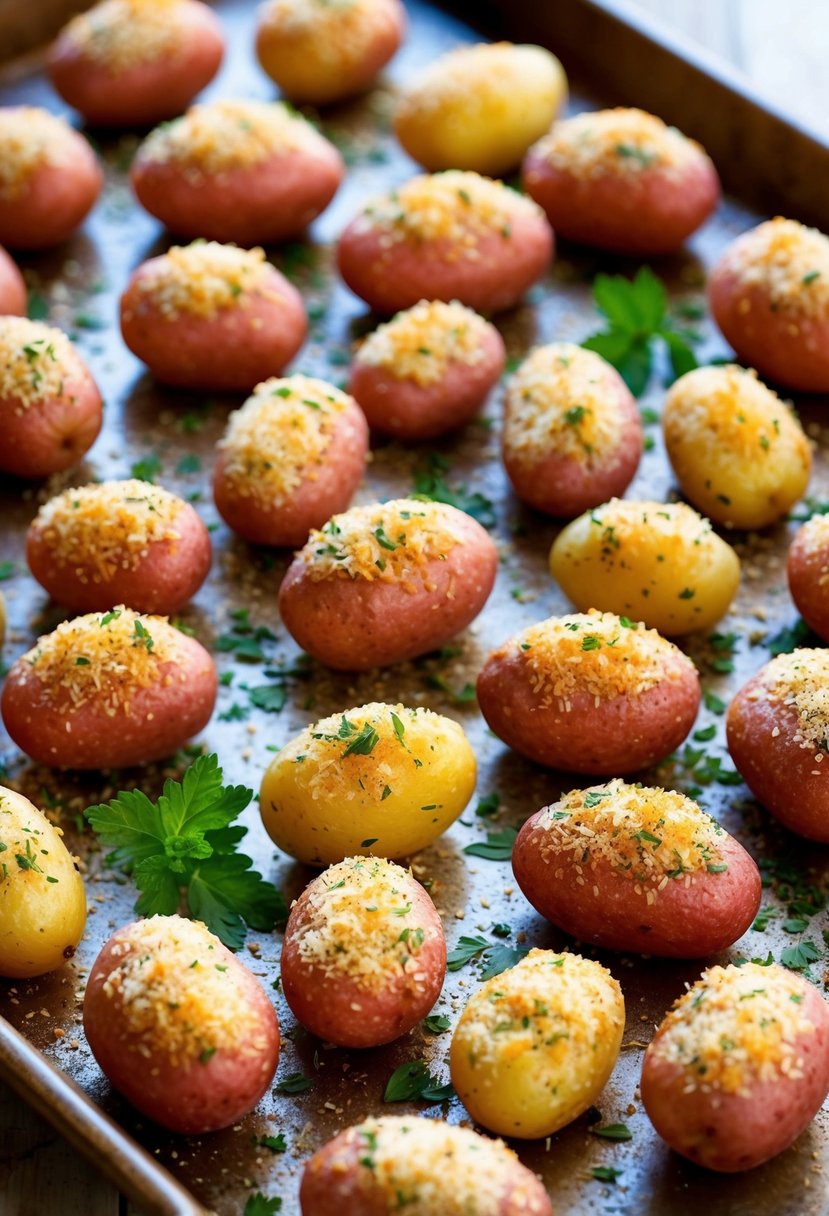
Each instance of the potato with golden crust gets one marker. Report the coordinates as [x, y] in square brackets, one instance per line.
[42, 898]
[136, 62]
[441, 1169]
[631, 868]
[536, 1045]
[212, 316]
[109, 691]
[777, 729]
[427, 371]
[49, 178]
[384, 583]
[319, 53]
[572, 434]
[251, 172]
[660, 563]
[807, 567]
[379, 780]
[480, 107]
[50, 407]
[590, 693]
[622, 180]
[364, 956]
[449, 236]
[13, 297]
[739, 1067]
[291, 456]
[769, 293]
[739, 453]
[119, 542]
[179, 1026]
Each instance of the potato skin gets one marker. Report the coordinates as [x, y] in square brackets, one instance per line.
[734, 1131]
[338, 1179]
[356, 624]
[231, 351]
[13, 297]
[144, 93]
[807, 565]
[189, 1096]
[335, 1001]
[51, 435]
[601, 905]
[43, 909]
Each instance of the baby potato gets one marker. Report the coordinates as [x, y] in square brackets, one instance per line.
[739, 1067]
[42, 899]
[179, 1026]
[379, 780]
[119, 542]
[108, 692]
[211, 316]
[660, 563]
[384, 583]
[427, 371]
[572, 433]
[622, 180]
[50, 406]
[769, 293]
[133, 63]
[12, 288]
[590, 693]
[322, 53]
[637, 869]
[451, 236]
[807, 566]
[536, 1045]
[777, 729]
[251, 172]
[49, 181]
[480, 107]
[738, 451]
[364, 956]
[290, 457]
[441, 1169]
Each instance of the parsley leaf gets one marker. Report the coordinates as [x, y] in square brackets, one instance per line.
[436, 1023]
[466, 949]
[788, 639]
[613, 1131]
[798, 958]
[260, 1205]
[294, 1083]
[501, 958]
[431, 485]
[414, 1081]
[497, 847]
[602, 1173]
[276, 1144]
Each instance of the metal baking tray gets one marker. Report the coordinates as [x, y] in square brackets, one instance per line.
[172, 434]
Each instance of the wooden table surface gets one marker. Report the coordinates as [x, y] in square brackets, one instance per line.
[782, 49]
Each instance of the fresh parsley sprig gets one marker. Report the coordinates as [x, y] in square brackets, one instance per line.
[431, 485]
[185, 844]
[636, 312]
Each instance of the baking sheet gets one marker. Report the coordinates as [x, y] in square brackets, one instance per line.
[172, 434]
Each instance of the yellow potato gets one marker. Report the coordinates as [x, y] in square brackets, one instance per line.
[481, 107]
[660, 563]
[536, 1045]
[738, 452]
[42, 899]
[377, 780]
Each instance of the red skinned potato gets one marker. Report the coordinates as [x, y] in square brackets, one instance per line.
[291, 456]
[447, 1170]
[636, 869]
[739, 1067]
[136, 62]
[13, 297]
[49, 178]
[109, 691]
[50, 407]
[777, 729]
[211, 316]
[364, 956]
[251, 172]
[807, 567]
[621, 180]
[119, 542]
[448, 236]
[180, 1027]
[769, 293]
[572, 434]
[427, 371]
[318, 53]
[590, 693]
[385, 583]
